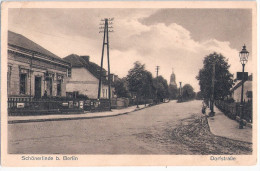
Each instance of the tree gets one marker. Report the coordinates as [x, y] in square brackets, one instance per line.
[161, 87]
[188, 92]
[147, 88]
[139, 81]
[121, 88]
[173, 91]
[199, 95]
[223, 78]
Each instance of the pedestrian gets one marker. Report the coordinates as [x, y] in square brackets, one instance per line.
[45, 94]
[204, 107]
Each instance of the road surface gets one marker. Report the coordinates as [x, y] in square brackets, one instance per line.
[168, 128]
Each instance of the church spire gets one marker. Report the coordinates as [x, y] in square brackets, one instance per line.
[173, 78]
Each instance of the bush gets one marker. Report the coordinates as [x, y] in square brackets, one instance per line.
[230, 100]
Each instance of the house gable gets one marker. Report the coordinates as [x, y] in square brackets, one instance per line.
[82, 74]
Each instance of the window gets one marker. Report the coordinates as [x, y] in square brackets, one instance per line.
[49, 87]
[69, 94]
[103, 91]
[58, 87]
[249, 94]
[22, 83]
[9, 77]
[75, 94]
[69, 72]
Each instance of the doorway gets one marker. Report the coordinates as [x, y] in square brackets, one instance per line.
[38, 87]
[58, 87]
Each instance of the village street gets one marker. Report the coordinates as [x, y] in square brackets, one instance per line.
[168, 128]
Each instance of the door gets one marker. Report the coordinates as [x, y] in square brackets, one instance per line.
[38, 87]
[58, 87]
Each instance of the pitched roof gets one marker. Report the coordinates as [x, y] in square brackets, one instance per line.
[250, 78]
[20, 41]
[75, 60]
[83, 61]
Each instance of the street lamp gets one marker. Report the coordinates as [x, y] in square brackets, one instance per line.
[243, 55]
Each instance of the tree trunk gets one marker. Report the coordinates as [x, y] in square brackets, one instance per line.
[137, 101]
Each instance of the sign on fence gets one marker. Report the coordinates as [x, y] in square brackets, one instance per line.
[81, 104]
[70, 104]
[87, 102]
[20, 105]
[65, 104]
[76, 104]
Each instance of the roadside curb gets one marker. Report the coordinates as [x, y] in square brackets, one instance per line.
[247, 124]
[210, 129]
[73, 118]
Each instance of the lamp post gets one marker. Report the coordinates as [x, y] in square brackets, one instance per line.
[243, 55]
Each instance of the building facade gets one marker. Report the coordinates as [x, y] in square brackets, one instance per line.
[83, 78]
[34, 71]
[247, 93]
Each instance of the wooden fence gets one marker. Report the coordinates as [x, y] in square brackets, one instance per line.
[30, 106]
[232, 110]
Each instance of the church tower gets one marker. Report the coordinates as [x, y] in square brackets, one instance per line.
[173, 79]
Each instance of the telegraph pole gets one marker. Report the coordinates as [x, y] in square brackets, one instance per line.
[212, 113]
[105, 29]
[157, 71]
[180, 92]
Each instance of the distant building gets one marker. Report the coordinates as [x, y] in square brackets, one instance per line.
[83, 78]
[32, 70]
[236, 90]
[173, 79]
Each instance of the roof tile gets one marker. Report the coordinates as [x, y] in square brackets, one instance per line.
[23, 42]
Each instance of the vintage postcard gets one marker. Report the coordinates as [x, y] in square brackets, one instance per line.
[128, 84]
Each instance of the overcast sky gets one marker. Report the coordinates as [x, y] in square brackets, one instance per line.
[169, 38]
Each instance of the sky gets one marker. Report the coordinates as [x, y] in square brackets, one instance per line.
[175, 39]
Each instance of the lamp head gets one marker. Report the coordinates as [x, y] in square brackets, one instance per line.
[243, 55]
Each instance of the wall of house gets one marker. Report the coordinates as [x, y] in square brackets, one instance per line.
[85, 83]
[82, 74]
[17, 63]
[237, 93]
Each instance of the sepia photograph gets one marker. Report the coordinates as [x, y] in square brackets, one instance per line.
[129, 79]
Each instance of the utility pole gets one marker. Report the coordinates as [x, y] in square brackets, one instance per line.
[105, 28]
[212, 113]
[180, 92]
[157, 71]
